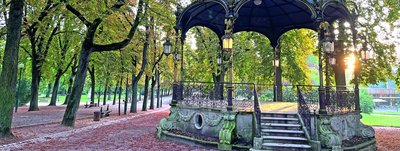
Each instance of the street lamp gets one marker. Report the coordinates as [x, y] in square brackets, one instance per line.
[167, 47]
[227, 42]
[177, 57]
[332, 60]
[367, 55]
[219, 60]
[276, 62]
[328, 45]
[20, 67]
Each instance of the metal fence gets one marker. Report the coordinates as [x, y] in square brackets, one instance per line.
[212, 95]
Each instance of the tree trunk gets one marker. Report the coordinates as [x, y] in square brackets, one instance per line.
[71, 81]
[53, 100]
[34, 106]
[161, 99]
[48, 90]
[146, 91]
[134, 96]
[8, 78]
[126, 96]
[153, 84]
[120, 90]
[140, 94]
[278, 74]
[158, 89]
[115, 93]
[340, 67]
[99, 96]
[108, 94]
[93, 85]
[105, 94]
[73, 103]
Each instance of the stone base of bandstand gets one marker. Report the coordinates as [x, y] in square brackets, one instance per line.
[333, 130]
[225, 130]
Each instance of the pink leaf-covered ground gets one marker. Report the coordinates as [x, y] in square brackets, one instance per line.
[135, 131]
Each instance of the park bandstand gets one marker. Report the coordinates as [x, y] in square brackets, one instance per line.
[227, 115]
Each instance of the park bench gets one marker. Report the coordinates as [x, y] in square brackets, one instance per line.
[89, 105]
[106, 112]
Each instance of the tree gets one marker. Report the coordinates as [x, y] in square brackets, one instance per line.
[8, 76]
[40, 30]
[89, 46]
[366, 103]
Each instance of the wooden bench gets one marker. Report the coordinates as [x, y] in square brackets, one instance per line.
[106, 112]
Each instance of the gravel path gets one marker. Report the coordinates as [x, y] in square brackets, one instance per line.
[54, 114]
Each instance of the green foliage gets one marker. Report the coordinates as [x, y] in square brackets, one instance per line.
[367, 105]
[267, 95]
[289, 94]
[24, 92]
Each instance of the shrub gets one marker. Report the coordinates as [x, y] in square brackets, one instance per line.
[267, 95]
[366, 103]
[24, 92]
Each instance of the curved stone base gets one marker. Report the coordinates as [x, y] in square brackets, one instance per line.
[366, 146]
[333, 129]
[231, 129]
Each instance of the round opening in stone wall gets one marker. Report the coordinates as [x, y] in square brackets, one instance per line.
[198, 121]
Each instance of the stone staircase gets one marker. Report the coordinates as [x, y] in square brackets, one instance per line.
[283, 132]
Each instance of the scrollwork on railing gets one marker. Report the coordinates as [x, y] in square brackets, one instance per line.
[304, 110]
[342, 101]
[205, 95]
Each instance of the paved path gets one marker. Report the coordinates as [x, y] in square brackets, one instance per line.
[54, 114]
[132, 132]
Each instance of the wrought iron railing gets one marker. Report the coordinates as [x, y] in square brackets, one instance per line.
[341, 100]
[308, 101]
[204, 94]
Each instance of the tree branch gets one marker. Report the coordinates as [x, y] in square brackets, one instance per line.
[46, 50]
[69, 64]
[123, 43]
[27, 52]
[79, 15]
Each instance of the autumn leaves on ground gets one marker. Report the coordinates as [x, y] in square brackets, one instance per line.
[127, 132]
[130, 132]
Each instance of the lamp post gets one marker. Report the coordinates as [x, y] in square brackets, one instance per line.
[167, 46]
[329, 60]
[276, 65]
[20, 67]
[227, 44]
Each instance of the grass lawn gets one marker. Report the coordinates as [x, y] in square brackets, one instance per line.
[84, 98]
[381, 120]
[387, 113]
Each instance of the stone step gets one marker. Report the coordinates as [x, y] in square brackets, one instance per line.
[279, 118]
[280, 125]
[284, 138]
[285, 145]
[281, 131]
[280, 113]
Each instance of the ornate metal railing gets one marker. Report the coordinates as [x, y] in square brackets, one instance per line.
[308, 103]
[257, 112]
[205, 94]
[341, 100]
